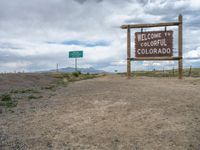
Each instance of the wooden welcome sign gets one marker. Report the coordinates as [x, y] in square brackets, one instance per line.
[154, 45]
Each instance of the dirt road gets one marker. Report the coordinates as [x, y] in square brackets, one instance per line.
[109, 113]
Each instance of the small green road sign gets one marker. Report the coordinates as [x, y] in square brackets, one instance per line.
[75, 54]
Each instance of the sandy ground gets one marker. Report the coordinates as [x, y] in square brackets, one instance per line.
[109, 113]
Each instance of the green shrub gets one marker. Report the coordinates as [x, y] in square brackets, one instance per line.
[6, 97]
[7, 101]
[75, 74]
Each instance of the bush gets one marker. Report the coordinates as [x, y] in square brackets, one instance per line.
[76, 74]
[7, 101]
[6, 97]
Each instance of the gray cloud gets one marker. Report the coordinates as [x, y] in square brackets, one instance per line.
[7, 45]
[26, 25]
[83, 1]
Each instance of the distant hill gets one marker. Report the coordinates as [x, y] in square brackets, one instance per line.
[82, 70]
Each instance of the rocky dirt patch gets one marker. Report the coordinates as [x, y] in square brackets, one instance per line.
[108, 113]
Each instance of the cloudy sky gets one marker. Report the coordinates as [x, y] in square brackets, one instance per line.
[38, 34]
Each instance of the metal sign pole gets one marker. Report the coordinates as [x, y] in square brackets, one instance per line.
[75, 64]
[76, 55]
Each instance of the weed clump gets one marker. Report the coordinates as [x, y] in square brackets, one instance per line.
[7, 101]
[76, 74]
[6, 97]
[64, 78]
[22, 91]
[50, 87]
[34, 97]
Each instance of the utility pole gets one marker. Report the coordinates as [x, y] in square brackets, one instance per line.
[57, 68]
[190, 71]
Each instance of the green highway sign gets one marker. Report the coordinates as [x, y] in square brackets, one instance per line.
[75, 54]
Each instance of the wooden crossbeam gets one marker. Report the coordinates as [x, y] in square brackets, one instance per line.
[150, 25]
[155, 58]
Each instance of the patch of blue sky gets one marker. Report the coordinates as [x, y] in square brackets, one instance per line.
[82, 43]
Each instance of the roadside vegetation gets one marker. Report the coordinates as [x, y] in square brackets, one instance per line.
[63, 78]
[10, 98]
[7, 101]
[193, 72]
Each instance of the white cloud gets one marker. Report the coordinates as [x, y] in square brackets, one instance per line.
[193, 53]
[18, 66]
[195, 4]
[27, 26]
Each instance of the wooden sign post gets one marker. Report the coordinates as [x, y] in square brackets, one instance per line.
[129, 53]
[180, 43]
[154, 45]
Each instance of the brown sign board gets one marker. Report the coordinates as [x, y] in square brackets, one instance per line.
[154, 44]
